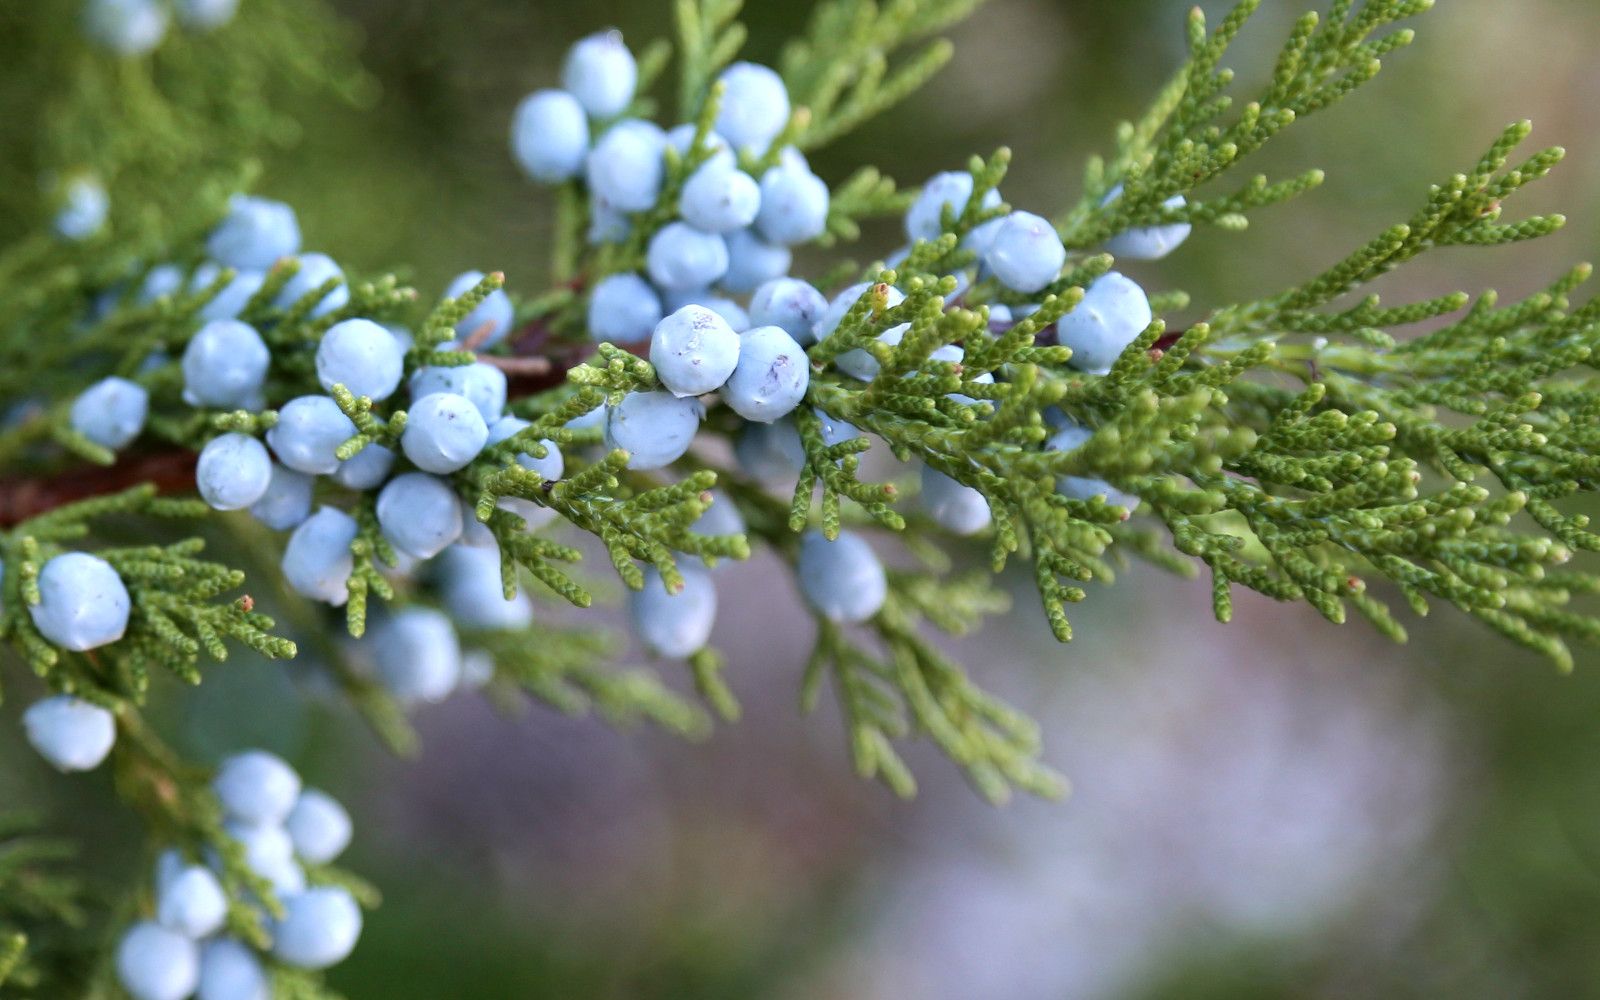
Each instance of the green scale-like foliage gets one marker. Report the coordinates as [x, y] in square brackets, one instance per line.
[1316, 444]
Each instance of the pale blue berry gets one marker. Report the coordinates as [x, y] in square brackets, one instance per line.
[254, 234]
[318, 826]
[654, 428]
[233, 472]
[70, 733]
[417, 655]
[420, 514]
[269, 852]
[224, 365]
[474, 533]
[82, 602]
[443, 432]
[1112, 315]
[721, 518]
[771, 377]
[606, 224]
[595, 418]
[790, 304]
[170, 863]
[955, 505]
[770, 453]
[205, 15]
[600, 73]
[111, 412]
[857, 363]
[752, 261]
[126, 27]
[192, 903]
[794, 205]
[83, 210]
[842, 580]
[674, 625]
[471, 590]
[694, 350]
[1070, 437]
[315, 270]
[308, 433]
[835, 312]
[256, 787]
[719, 199]
[230, 300]
[483, 385]
[161, 280]
[1148, 242]
[682, 258]
[754, 108]
[317, 562]
[366, 469]
[624, 168]
[477, 669]
[494, 314]
[730, 311]
[287, 500]
[230, 971]
[623, 309]
[550, 136]
[154, 963]
[402, 336]
[952, 190]
[978, 241]
[791, 157]
[362, 356]
[834, 430]
[319, 928]
[1025, 253]
[550, 466]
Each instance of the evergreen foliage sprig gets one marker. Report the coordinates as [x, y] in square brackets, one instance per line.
[42, 909]
[1318, 444]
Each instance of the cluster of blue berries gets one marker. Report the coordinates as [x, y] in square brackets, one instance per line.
[83, 604]
[731, 238]
[279, 827]
[416, 652]
[1023, 253]
[707, 343]
[136, 27]
[733, 230]
[454, 413]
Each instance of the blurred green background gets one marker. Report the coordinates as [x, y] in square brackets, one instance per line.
[1278, 808]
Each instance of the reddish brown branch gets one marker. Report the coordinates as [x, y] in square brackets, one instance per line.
[22, 498]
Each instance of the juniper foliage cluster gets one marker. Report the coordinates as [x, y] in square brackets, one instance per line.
[1316, 444]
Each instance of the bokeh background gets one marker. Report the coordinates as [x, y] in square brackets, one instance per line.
[1276, 808]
